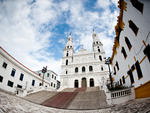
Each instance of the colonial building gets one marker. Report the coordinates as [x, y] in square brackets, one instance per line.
[52, 77]
[83, 68]
[131, 51]
[15, 75]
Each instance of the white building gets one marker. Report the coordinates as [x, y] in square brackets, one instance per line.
[51, 77]
[131, 51]
[84, 69]
[15, 75]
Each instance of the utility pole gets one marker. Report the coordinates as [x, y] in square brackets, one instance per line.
[44, 70]
[107, 61]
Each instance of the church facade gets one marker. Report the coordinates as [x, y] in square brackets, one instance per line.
[84, 68]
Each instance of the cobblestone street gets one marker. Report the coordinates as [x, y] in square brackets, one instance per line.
[13, 104]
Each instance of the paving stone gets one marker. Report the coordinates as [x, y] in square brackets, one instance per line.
[13, 104]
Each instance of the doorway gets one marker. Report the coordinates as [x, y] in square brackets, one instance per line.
[83, 83]
[91, 82]
[76, 85]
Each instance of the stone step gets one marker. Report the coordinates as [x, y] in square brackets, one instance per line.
[89, 100]
[61, 100]
[40, 97]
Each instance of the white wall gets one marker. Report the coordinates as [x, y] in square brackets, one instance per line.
[142, 22]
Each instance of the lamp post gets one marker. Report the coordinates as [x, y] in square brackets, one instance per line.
[44, 70]
[107, 61]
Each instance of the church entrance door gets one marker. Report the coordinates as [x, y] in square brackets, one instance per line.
[76, 84]
[84, 83]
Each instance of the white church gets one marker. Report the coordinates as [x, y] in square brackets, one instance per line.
[83, 68]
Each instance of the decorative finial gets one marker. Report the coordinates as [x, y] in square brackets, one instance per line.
[70, 33]
[81, 46]
[93, 30]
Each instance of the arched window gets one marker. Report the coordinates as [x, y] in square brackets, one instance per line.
[100, 57]
[67, 53]
[66, 62]
[91, 82]
[76, 84]
[83, 69]
[128, 43]
[76, 69]
[102, 68]
[99, 50]
[90, 68]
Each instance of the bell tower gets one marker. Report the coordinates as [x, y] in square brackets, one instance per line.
[97, 47]
[68, 50]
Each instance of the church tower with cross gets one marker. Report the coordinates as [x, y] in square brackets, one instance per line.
[83, 68]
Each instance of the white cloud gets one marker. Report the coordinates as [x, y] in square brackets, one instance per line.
[103, 3]
[21, 28]
[20, 36]
[84, 21]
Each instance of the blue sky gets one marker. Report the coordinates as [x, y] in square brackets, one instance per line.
[35, 31]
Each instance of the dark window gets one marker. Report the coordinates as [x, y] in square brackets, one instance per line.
[54, 85]
[83, 69]
[100, 57]
[21, 76]
[117, 65]
[91, 82]
[90, 68]
[132, 67]
[128, 43]
[1, 79]
[101, 68]
[124, 52]
[19, 86]
[99, 50]
[76, 69]
[114, 71]
[47, 74]
[131, 76]
[66, 62]
[76, 84]
[67, 54]
[10, 83]
[66, 72]
[147, 51]
[4, 65]
[51, 83]
[33, 82]
[52, 76]
[133, 27]
[123, 79]
[55, 78]
[138, 69]
[138, 5]
[40, 84]
[120, 82]
[13, 72]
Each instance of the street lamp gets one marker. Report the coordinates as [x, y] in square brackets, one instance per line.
[107, 61]
[44, 70]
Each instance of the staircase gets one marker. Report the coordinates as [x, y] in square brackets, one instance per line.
[40, 96]
[71, 98]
